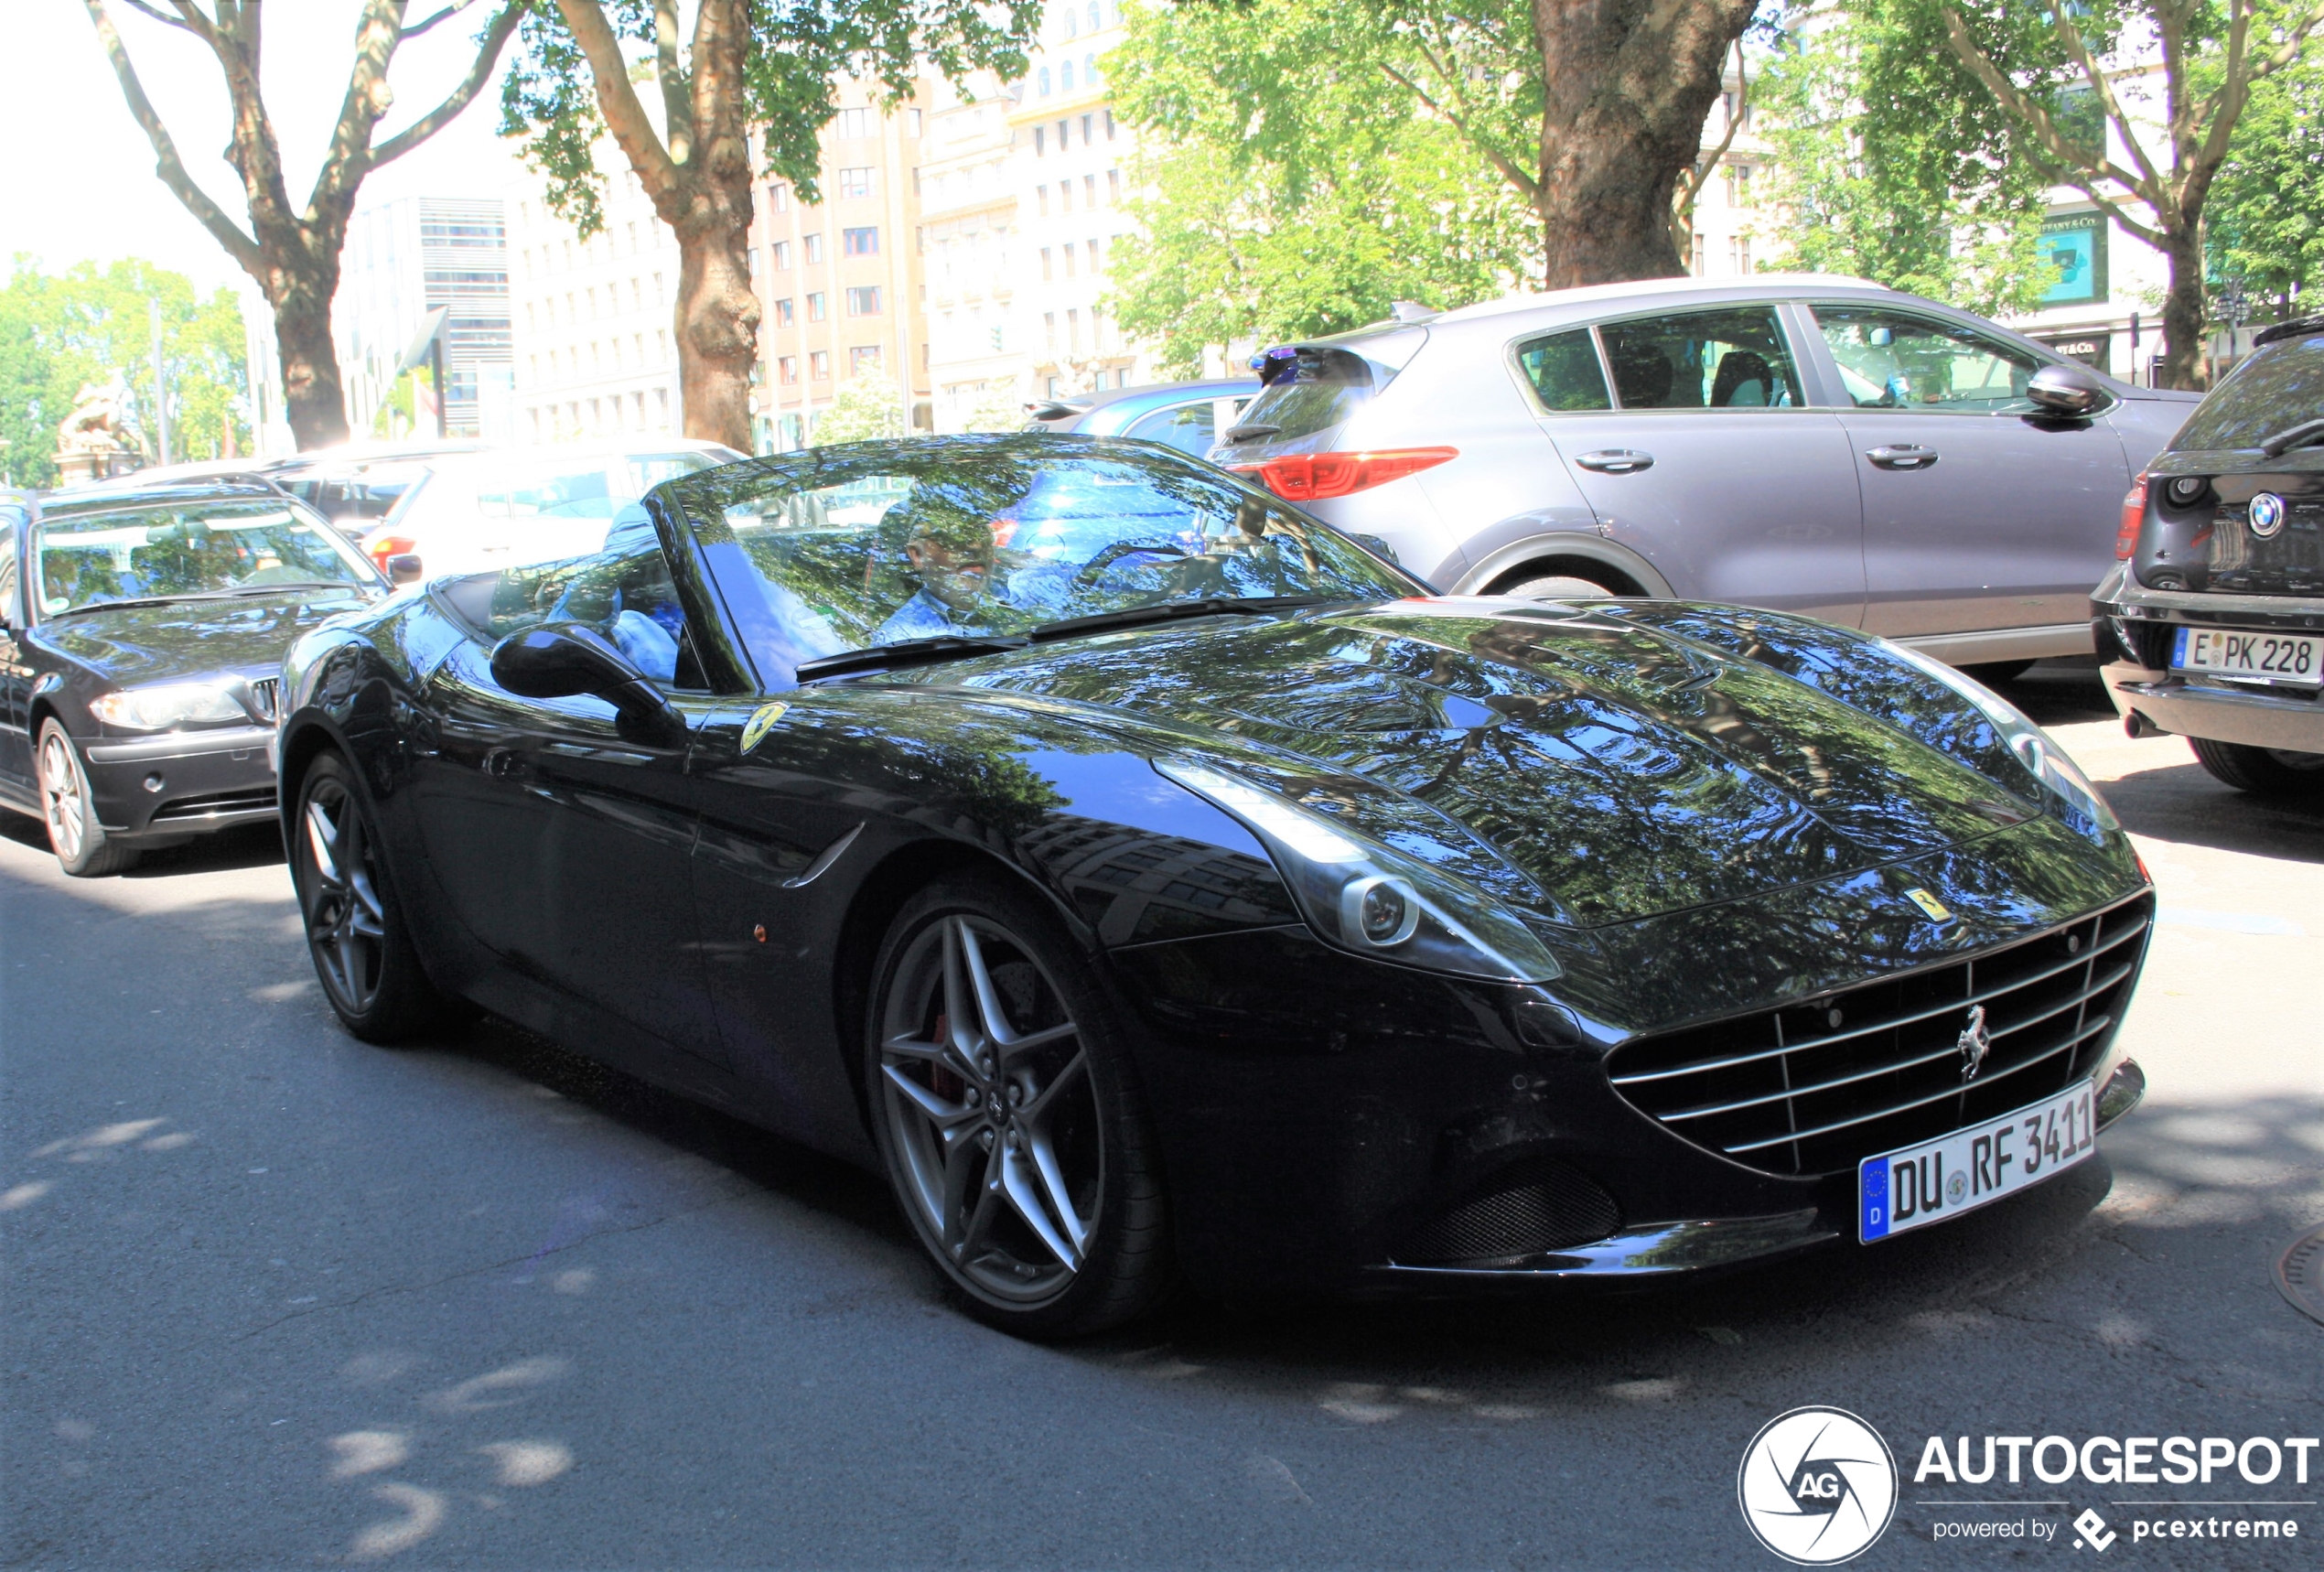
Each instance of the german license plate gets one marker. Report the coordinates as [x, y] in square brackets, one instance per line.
[2293, 657]
[1913, 1186]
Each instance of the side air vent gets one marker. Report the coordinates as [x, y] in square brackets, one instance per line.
[1532, 1211]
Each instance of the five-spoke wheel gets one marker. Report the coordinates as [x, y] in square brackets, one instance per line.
[83, 848]
[1008, 1117]
[362, 955]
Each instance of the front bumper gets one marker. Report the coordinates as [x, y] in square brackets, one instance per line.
[2133, 626]
[182, 783]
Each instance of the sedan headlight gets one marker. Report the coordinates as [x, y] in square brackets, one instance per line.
[2043, 758]
[1361, 895]
[164, 705]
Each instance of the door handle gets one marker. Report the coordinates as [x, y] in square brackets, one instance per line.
[1616, 461]
[1903, 455]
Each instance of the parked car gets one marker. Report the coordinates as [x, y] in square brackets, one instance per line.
[1187, 417]
[1151, 881]
[142, 635]
[2212, 624]
[501, 507]
[1809, 444]
[353, 485]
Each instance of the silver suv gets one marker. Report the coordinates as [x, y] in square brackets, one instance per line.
[1807, 443]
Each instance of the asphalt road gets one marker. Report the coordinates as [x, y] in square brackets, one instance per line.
[276, 1298]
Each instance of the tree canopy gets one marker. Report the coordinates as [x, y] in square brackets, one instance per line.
[89, 325]
[2267, 218]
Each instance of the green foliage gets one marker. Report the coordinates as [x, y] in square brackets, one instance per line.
[1893, 164]
[2266, 213]
[796, 53]
[90, 324]
[864, 409]
[1293, 189]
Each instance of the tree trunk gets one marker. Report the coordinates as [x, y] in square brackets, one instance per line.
[312, 395]
[1628, 86]
[2183, 307]
[718, 312]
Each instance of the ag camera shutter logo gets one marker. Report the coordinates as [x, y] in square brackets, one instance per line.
[1817, 1486]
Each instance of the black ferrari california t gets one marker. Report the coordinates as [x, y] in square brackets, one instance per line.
[1157, 885]
[142, 634]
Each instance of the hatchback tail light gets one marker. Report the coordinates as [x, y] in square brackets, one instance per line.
[380, 547]
[2134, 516]
[1312, 477]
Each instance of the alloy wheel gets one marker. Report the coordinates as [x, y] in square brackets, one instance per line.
[345, 921]
[65, 804]
[984, 1086]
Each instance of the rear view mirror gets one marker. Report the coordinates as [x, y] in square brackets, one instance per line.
[560, 660]
[2065, 390]
[404, 568]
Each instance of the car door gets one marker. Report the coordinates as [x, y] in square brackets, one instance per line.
[564, 846]
[1706, 458]
[1981, 513]
[15, 667]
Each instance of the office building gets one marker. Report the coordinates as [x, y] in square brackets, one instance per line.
[403, 259]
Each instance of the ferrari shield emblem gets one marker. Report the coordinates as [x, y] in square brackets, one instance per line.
[761, 721]
[1920, 897]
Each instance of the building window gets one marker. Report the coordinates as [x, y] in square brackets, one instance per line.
[1073, 331]
[1093, 21]
[1049, 326]
[787, 369]
[1095, 256]
[911, 122]
[1738, 185]
[1089, 79]
[855, 181]
[819, 365]
[784, 315]
[863, 302]
[1060, 136]
[863, 360]
[1114, 185]
[1065, 76]
[1042, 82]
[854, 125]
[1042, 194]
[1085, 119]
[750, 258]
[1069, 262]
[1109, 125]
[781, 249]
[1040, 141]
[778, 198]
[1089, 190]
[814, 250]
[1738, 254]
[1046, 274]
[815, 307]
[859, 242]
[1065, 196]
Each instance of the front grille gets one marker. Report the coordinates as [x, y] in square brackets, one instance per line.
[264, 695]
[217, 803]
[1540, 1207]
[1813, 1087]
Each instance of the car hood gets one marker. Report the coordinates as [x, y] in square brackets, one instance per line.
[245, 636]
[1623, 771]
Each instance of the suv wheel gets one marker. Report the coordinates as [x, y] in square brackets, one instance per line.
[2262, 771]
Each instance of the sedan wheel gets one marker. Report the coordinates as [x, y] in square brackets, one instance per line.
[83, 848]
[1009, 1120]
[355, 931]
[2262, 771]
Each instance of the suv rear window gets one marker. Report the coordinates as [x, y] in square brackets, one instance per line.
[2279, 387]
[1317, 389]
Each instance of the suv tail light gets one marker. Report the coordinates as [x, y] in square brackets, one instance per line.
[380, 547]
[2134, 516]
[1312, 477]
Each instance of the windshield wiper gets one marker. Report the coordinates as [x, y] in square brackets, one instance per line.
[1254, 428]
[909, 652]
[1170, 611]
[2300, 436]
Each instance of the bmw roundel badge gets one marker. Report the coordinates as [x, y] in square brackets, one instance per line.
[2266, 515]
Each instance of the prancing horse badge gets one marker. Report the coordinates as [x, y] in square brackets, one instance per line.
[761, 721]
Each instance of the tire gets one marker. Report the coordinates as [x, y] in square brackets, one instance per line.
[1557, 586]
[1992, 674]
[2262, 771]
[356, 932]
[83, 849]
[1010, 1117]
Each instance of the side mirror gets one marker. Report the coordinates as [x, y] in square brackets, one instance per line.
[559, 660]
[403, 568]
[2065, 390]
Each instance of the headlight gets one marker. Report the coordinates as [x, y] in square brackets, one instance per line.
[159, 708]
[1372, 899]
[2043, 758]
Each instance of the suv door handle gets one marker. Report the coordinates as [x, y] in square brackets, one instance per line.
[1616, 461]
[1903, 455]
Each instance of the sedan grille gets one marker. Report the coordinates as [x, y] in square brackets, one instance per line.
[1813, 1087]
[265, 693]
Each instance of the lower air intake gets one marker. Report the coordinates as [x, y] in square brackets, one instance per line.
[1543, 1207]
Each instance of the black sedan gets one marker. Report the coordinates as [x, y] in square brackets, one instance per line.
[142, 633]
[1156, 884]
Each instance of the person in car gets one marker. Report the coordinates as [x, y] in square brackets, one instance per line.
[956, 560]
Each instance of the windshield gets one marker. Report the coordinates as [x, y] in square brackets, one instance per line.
[186, 548]
[2273, 391]
[884, 543]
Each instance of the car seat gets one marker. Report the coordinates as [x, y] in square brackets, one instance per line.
[1744, 381]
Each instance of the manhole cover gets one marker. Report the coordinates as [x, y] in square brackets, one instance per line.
[2300, 1273]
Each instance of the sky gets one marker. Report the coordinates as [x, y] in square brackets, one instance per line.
[93, 195]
